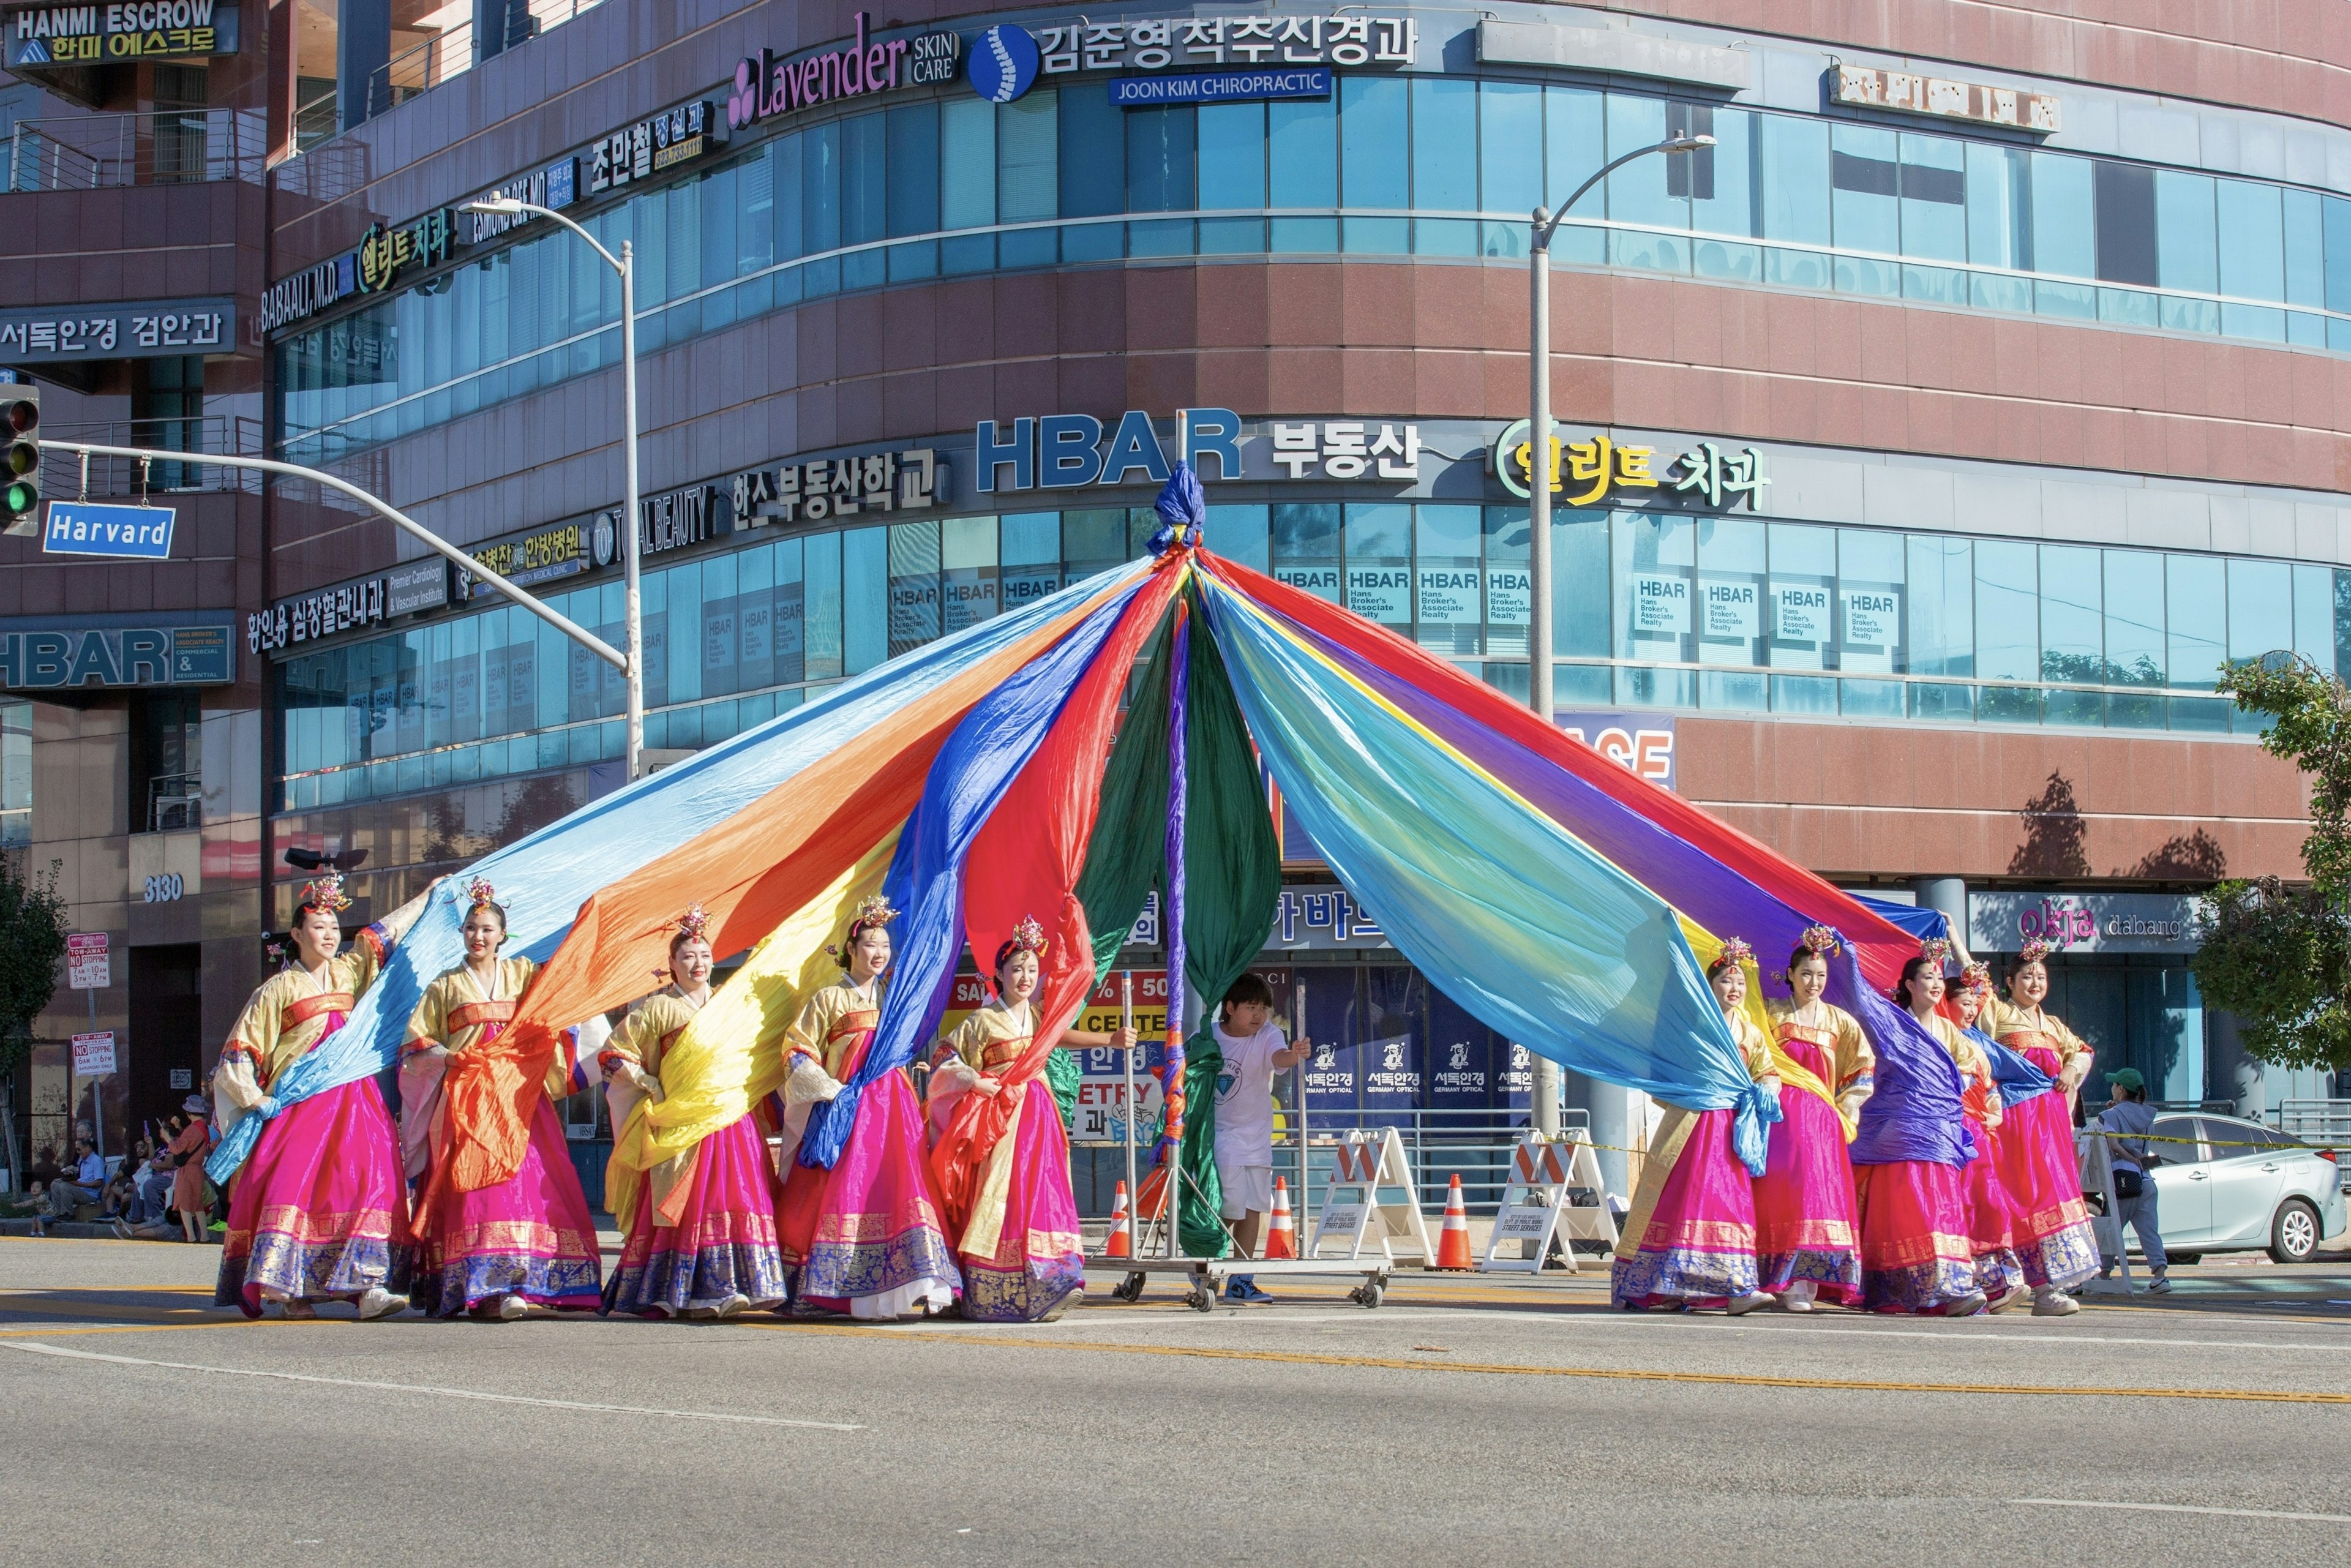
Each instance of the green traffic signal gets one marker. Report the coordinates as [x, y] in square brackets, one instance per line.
[20, 413]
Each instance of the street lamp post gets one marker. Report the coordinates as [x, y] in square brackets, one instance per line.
[1542, 470]
[632, 611]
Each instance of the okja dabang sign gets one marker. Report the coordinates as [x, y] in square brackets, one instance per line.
[766, 87]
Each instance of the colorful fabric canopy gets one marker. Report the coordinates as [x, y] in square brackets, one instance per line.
[1561, 900]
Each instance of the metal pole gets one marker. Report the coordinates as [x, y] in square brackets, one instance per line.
[1541, 473]
[630, 522]
[408, 525]
[1127, 1021]
[1541, 470]
[96, 1105]
[1305, 1146]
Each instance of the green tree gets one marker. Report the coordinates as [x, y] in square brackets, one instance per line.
[32, 941]
[2274, 953]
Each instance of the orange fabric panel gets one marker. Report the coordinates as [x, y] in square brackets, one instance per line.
[748, 872]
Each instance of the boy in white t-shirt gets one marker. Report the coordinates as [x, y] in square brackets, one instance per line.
[1254, 1052]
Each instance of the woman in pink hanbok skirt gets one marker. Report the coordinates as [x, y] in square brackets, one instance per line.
[702, 1241]
[1917, 1252]
[2053, 1239]
[1807, 1235]
[526, 1246]
[1689, 1238]
[864, 1237]
[1002, 1161]
[319, 1212]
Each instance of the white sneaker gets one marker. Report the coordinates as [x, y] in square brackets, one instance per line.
[513, 1308]
[1798, 1297]
[376, 1302]
[732, 1305]
[2048, 1301]
[1740, 1305]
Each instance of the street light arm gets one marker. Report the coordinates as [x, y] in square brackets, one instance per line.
[514, 204]
[554, 618]
[1544, 231]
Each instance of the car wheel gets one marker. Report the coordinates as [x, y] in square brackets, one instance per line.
[2293, 1234]
[2184, 1260]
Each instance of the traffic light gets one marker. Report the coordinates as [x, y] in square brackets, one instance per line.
[20, 427]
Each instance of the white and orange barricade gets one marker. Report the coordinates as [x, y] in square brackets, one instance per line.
[1553, 1194]
[1372, 1199]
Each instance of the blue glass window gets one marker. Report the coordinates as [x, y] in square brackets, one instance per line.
[1376, 160]
[1028, 170]
[1445, 164]
[1865, 177]
[1094, 174]
[1232, 157]
[1303, 155]
[1510, 161]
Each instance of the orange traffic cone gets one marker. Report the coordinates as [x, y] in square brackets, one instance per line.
[1280, 1236]
[1453, 1244]
[1121, 1241]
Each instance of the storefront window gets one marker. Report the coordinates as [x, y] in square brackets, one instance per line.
[15, 775]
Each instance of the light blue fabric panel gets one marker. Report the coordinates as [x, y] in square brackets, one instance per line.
[1541, 939]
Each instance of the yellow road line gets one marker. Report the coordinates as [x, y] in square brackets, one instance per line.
[1603, 1374]
[237, 1322]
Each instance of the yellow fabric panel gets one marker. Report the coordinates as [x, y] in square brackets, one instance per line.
[728, 1059]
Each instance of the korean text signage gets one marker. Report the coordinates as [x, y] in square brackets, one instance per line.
[666, 522]
[381, 257]
[51, 657]
[541, 557]
[88, 528]
[403, 591]
[766, 87]
[1346, 40]
[1067, 450]
[1600, 471]
[108, 34]
[386, 252]
[2082, 923]
[1864, 87]
[139, 331]
[810, 490]
[652, 145]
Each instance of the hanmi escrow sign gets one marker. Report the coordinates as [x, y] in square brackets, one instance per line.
[40, 35]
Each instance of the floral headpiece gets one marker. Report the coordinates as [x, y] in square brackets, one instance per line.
[1029, 936]
[694, 923]
[1734, 952]
[325, 891]
[481, 893]
[276, 947]
[873, 913]
[1935, 949]
[1822, 939]
[1976, 977]
[2032, 952]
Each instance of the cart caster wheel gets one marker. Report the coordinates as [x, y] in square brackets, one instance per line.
[1128, 1289]
[1201, 1298]
[1368, 1295]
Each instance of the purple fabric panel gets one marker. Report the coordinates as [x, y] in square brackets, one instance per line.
[1913, 1113]
[1170, 925]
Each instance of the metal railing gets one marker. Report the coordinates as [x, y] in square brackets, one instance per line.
[175, 802]
[167, 147]
[453, 51]
[208, 436]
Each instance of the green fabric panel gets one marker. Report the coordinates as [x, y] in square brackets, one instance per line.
[1232, 862]
[1199, 1229]
[1232, 888]
[1061, 1073]
[1127, 857]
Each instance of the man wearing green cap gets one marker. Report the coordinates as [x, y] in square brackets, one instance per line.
[2128, 1123]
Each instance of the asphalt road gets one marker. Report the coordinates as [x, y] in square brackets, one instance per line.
[1469, 1419]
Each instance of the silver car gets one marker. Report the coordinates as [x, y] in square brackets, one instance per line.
[2229, 1185]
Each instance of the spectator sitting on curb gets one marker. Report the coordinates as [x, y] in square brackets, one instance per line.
[153, 1206]
[87, 1184]
[44, 1171]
